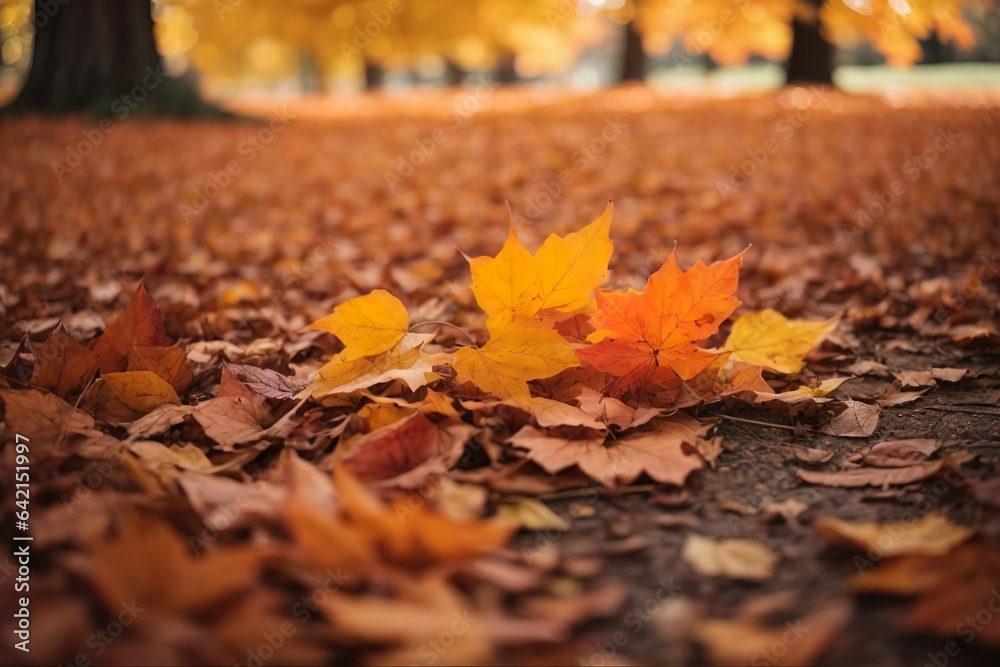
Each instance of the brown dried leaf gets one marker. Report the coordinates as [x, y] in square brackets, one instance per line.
[139, 324]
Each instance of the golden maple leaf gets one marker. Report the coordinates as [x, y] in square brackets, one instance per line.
[366, 325]
[526, 349]
[559, 278]
[769, 339]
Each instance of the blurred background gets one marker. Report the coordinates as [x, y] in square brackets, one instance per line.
[330, 47]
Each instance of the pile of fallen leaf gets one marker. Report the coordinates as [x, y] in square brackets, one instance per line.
[304, 427]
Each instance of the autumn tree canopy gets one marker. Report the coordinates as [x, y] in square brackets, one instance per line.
[320, 40]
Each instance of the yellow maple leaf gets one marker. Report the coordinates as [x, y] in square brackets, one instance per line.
[141, 390]
[366, 325]
[560, 277]
[770, 339]
[525, 350]
[569, 269]
[505, 286]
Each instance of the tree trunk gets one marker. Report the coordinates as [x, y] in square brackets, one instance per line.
[87, 52]
[373, 75]
[454, 75]
[811, 59]
[311, 76]
[936, 51]
[633, 57]
[506, 71]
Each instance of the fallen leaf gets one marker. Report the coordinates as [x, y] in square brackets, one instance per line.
[63, 366]
[531, 514]
[915, 378]
[642, 337]
[524, 350]
[773, 341]
[367, 325]
[858, 420]
[668, 455]
[746, 639]
[407, 452]
[949, 374]
[170, 363]
[158, 420]
[872, 476]
[931, 535]
[44, 416]
[560, 277]
[150, 562]
[230, 420]
[139, 324]
[141, 390]
[748, 560]
[949, 589]
[901, 453]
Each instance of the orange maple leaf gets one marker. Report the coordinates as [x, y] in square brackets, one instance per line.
[648, 337]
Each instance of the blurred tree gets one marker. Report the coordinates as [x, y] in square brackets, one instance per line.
[365, 38]
[87, 52]
[634, 56]
[801, 32]
[811, 56]
[96, 56]
[895, 27]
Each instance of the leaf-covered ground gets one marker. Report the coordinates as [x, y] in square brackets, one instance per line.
[202, 491]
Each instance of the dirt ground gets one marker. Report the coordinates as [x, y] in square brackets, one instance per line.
[883, 211]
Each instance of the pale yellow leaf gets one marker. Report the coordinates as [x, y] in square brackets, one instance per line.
[771, 340]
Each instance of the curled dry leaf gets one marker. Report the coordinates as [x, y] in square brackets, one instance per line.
[901, 453]
[872, 476]
[858, 420]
